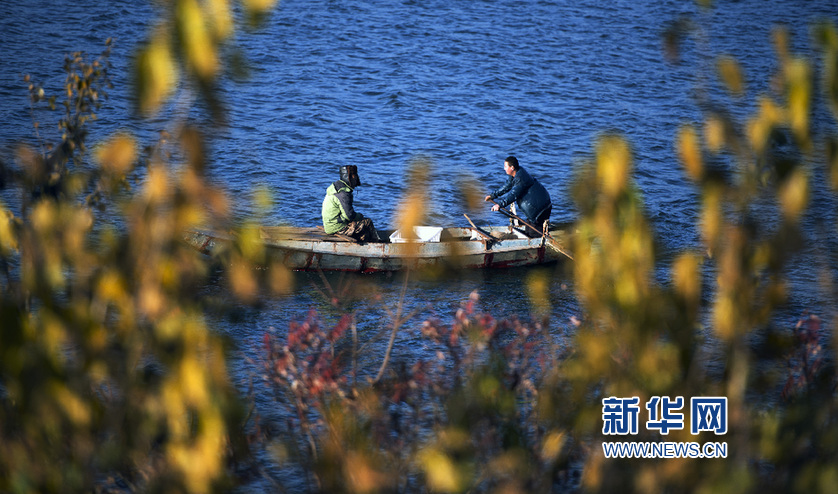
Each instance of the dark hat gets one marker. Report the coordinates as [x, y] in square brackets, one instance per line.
[349, 174]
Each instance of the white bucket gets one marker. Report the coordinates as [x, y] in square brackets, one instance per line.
[420, 234]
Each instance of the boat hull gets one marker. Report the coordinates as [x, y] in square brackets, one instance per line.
[459, 248]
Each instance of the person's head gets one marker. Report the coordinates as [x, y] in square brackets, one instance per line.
[349, 175]
[510, 165]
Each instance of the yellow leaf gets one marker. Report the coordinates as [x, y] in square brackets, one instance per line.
[781, 42]
[251, 244]
[259, 6]
[222, 19]
[552, 446]
[685, 277]
[44, 217]
[199, 48]
[690, 152]
[75, 408]
[117, 156]
[470, 190]
[263, 199]
[714, 133]
[613, 164]
[362, 475]
[441, 472]
[8, 237]
[731, 74]
[281, 279]
[111, 286]
[761, 126]
[243, 281]
[538, 290]
[157, 184]
[151, 300]
[156, 73]
[725, 316]
[798, 75]
[794, 194]
[193, 382]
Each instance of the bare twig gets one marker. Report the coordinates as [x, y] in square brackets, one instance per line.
[397, 321]
[354, 329]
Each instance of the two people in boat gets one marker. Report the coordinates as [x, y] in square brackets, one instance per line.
[339, 215]
[532, 198]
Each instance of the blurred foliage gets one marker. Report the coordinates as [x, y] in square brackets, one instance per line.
[110, 379]
[107, 366]
[412, 207]
[109, 376]
[642, 339]
[448, 423]
[86, 86]
[191, 42]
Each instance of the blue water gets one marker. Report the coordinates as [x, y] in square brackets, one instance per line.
[462, 84]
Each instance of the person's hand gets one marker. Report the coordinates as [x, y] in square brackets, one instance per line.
[496, 207]
[488, 198]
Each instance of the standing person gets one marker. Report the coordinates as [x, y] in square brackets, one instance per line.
[339, 216]
[532, 198]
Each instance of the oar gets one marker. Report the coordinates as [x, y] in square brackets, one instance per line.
[553, 243]
[481, 232]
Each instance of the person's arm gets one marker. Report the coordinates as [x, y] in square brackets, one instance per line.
[347, 209]
[502, 190]
[515, 188]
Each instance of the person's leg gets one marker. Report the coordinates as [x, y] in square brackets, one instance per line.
[539, 223]
[352, 229]
[375, 237]
[370, 234]
[544, 219]
[362, 230]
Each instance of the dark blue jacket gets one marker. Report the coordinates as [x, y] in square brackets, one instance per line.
[531, 196]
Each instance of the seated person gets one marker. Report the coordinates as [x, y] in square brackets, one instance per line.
[338, 214]
[532, 198]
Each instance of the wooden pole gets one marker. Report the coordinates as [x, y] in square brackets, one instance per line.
[482, 233]
[553, 243]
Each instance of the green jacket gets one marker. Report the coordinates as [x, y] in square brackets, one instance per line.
[337, 209]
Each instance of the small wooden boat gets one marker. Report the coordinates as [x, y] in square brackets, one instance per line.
[310, 249]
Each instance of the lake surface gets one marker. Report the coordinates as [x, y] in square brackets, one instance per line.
[462, 84]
